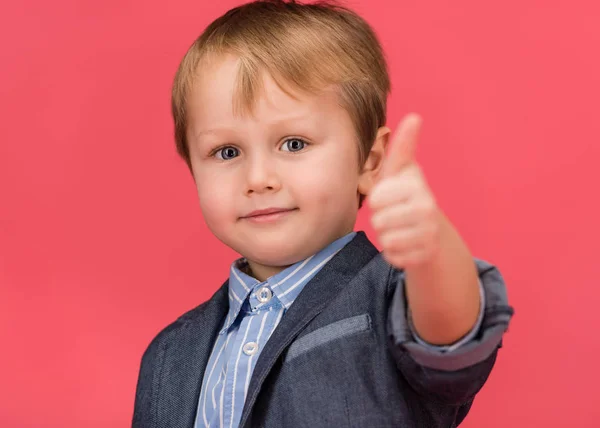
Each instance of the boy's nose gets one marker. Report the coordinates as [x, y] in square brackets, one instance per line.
[261, 177]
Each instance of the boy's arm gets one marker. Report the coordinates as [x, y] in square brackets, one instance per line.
[144, 411]
[454, 373]
[143, 415]
[448, 316]
[444, 293]
[437, 298]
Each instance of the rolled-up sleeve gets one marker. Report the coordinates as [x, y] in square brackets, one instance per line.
[461, 367]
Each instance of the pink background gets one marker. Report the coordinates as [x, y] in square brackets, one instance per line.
[102, 242]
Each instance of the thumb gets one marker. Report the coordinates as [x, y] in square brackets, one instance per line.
[404, 145]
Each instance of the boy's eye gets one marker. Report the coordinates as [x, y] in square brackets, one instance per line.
[227, 153]
[293, 144]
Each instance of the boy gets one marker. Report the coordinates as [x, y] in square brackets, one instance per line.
[279, 113]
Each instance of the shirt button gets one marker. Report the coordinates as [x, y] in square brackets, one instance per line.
[264, 294]
[250, 348]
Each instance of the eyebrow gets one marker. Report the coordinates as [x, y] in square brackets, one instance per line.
[275, 122]
[213, 131]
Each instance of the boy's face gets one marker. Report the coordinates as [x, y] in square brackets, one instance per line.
[300, 155]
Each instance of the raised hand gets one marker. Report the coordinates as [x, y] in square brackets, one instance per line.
[405, 214]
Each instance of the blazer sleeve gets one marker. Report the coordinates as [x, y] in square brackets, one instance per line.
[144, 412]
[452, 374]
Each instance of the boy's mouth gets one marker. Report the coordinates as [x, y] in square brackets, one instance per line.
[268, 214]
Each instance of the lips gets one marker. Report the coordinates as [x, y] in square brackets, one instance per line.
[267, 211]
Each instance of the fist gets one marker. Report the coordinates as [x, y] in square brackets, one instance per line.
[405, 215]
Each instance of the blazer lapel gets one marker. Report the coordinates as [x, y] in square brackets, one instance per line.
[315, 296]
[185, 360]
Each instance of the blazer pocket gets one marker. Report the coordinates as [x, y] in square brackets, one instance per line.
[323, 335]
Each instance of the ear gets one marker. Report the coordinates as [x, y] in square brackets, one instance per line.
[373, 166]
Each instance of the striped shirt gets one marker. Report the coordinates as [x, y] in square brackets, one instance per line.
[255, 310]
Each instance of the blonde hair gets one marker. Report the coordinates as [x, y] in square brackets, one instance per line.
[305, 47]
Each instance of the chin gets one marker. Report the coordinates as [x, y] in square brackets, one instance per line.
[274, 256]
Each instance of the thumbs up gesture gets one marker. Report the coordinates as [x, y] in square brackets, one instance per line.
[405, 215]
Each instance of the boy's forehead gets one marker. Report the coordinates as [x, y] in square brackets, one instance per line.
[215, 93]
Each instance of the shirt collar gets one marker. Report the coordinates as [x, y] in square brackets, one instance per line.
[286, 285]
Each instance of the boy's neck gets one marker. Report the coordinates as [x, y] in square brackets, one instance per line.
[262, 272]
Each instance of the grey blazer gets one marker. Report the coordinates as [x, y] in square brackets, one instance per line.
[342, 356]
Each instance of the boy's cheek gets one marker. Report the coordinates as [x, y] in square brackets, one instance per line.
[215, 207]
[324, 191]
